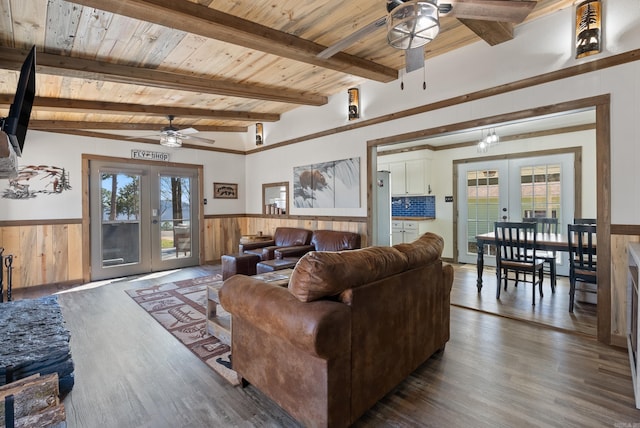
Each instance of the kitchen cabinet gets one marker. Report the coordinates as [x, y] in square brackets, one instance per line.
[408, 177]
[407, 230]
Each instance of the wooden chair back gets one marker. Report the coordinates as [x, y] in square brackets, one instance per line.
[584, 221]
[582, 252]
[516, 241]
[582, 259]
[544, 224]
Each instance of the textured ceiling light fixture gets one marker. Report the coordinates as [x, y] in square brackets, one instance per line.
[412, 24]
[170, 140]
[487, 141]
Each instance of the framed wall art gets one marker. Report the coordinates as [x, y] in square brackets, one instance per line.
[225, 190]
[334, 184]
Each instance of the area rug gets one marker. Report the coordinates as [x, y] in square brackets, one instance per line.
[180, 307]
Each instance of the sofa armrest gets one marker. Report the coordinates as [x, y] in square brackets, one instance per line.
[296, 251]
[254, 245]
[322, 328]
[268, 253]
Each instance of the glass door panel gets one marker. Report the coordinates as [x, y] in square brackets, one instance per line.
[175, 217]
[481, 205]
[120, 219]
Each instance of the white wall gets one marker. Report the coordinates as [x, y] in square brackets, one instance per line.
[66, 151]
[539, 47]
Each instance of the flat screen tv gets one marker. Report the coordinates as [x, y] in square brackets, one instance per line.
[16, 124]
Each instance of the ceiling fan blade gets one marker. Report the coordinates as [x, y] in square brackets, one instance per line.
[492, 10]
[414, 59]
[203, 140]
[142, 136]
[352, 38]
[187, 131]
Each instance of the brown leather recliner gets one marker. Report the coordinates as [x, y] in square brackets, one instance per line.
[350, 327]
[282, 237]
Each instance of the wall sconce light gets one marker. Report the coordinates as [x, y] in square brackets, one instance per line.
[588, 28]
[354, 103]
[259, 134]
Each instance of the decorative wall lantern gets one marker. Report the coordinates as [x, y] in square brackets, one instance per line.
[259, 134]
[588, 28]
[354, 103]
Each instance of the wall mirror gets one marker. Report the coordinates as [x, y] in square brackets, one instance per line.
[275, 198]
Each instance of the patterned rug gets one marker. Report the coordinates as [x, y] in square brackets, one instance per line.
[180, 307]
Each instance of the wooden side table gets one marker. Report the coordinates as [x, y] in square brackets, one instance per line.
[218, 320]
[250, 239]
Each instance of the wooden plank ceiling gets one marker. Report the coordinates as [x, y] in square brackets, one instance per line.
[119, 67]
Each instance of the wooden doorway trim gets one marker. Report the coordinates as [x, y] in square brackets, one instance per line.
[601, 104]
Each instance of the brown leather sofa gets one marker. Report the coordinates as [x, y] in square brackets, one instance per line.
[282, 237]
[321, 240]
[350, 327]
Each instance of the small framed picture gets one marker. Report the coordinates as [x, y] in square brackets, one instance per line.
[225, 190]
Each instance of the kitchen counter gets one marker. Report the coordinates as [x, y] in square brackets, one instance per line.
[413, 218]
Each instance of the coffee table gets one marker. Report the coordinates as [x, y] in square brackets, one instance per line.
[219, 320]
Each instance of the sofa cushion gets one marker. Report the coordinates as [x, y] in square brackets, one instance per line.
[335, 240]
[288, 236]
[426, 248]
[321, 274]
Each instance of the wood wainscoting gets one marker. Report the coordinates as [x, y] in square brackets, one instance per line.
[49, 252]
[621, 236]
[222, 233]
[44, 252]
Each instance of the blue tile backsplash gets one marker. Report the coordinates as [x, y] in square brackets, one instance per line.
[413, 206]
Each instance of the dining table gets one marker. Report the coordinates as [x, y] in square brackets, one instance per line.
[544, 242]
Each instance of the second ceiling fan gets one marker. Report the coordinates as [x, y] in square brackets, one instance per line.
[411, 24]
[170, 136]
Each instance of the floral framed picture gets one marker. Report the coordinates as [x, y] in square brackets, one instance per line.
[225, 190]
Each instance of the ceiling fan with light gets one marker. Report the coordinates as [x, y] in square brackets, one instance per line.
[412, 24]
[170, 136]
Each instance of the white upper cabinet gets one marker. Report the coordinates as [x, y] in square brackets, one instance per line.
[408, 177]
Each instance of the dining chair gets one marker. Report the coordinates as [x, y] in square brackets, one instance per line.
[516, 252]
[584, 221]
[582, 259]
[547, 225]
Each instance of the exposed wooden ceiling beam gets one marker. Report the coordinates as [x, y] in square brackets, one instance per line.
[49, 125]
[105, 107]
[204, 21]
[120, 138]
[97, 70]
[491, 32]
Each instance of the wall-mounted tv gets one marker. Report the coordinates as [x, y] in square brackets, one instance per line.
[16, 124]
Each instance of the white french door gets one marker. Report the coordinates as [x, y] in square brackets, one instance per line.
[144, 218]
[509, 190]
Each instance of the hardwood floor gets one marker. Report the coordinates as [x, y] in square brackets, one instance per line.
[495, 372]
[552, 310]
